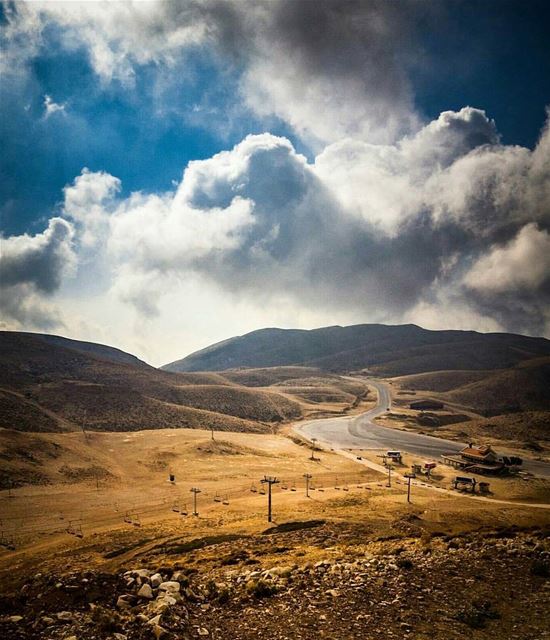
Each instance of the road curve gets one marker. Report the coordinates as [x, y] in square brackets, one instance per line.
[360, 432]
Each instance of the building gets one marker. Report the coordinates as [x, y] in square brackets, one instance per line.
[482, 453]
[476, 459]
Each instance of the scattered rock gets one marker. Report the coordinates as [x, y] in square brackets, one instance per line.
[125, 601]
[145, 591]
[156, 580]
[171, 586]
[64, 616]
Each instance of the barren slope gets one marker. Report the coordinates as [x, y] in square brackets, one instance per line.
[48, 386]
[386, 350]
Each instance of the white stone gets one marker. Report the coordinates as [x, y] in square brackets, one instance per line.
[170, 586]
[64, 616]
[145, 591]
[156, 580]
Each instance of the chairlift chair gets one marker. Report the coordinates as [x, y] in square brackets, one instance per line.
[253, 489]
[175, 508]
[225, 500]
[284, 485]
[293, 487]
[262, 491]
[320, 487]
[217, 497]
[183, 510]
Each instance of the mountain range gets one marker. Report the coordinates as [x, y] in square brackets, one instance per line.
[255, 381]
[381, 349]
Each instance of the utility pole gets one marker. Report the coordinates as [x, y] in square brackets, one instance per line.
[313, 441]
[269, 480]
[308, 477]
[194, 491]
[409, 477]
[83, 426]
[389, 475]
[212, 432]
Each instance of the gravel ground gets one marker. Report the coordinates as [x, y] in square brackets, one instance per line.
[330, 580]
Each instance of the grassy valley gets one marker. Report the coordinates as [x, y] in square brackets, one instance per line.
[101, 457]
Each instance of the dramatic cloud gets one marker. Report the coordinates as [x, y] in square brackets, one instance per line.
[335, 69]
[116, 35]
[513, 280]
[392, 231]
[390, 219]
[329, 69]
[31, 269]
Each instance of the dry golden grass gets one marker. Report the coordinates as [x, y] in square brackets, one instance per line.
[134, 483]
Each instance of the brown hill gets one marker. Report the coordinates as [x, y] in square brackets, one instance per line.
[50, 386]
[526, 428]
[440, 380]
[267, 376]
[525, 387]
[383, 349]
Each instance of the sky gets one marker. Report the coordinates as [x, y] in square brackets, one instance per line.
[176, 173]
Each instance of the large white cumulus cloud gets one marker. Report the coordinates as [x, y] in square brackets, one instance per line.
[437, 223]
[449, 219]
[382, 228]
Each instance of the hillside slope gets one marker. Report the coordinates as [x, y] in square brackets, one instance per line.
[384, 350]
[112, 354]
[47, 385]
[523, 388]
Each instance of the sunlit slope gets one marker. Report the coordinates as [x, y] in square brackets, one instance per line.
[48, 385]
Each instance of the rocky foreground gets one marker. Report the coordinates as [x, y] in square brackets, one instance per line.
[327, 581]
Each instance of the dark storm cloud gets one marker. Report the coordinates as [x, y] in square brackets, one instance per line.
[31, 269]
[330, 69]
[39, 260]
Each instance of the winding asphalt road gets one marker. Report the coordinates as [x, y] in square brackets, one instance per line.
[360, 432]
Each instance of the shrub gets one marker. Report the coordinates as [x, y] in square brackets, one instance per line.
[540, 568]
[261, 588]
[477, 615]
